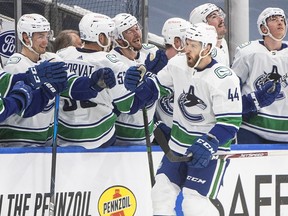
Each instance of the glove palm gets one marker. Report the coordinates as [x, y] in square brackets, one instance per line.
[155, 64]
[133, 76]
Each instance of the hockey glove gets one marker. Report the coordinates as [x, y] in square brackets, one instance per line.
[46, 71]
[155, 64]
[134, 76]
[102, 78]
[23, 95]
[262, 97]
[202, 150]
[52, 89]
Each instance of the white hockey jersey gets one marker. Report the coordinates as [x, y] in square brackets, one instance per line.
[201, 100]
[130, 128]
[221, 54]
[33, 131]
[255, 65]
[164, 108]
[91, 123]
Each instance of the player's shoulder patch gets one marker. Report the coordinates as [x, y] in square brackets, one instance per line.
[214, 53]
[13, 60]
[222, 72]
[148, 46]
[241, 46]
[112, 57]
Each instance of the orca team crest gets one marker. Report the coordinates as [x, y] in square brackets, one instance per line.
[189, 100]
[7, 41]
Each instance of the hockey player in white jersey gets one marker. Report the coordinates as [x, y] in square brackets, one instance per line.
[91, 123]
[207, 115]
[213, 15]
[259, 63]
[173, 31]
[33, 32]
[130, 50]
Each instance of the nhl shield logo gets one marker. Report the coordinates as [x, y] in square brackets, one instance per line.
[7, 43]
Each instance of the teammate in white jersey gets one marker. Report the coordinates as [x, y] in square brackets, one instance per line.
[91, 123]
[173, 31]
[207, 114]
[130, 129]
[257, 63]
[213, 15]
[33, 32]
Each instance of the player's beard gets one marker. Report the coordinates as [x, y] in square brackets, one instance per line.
[136, 44]
[192, 61]
[221, 30]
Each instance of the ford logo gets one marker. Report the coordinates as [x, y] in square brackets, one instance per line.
[7, 43]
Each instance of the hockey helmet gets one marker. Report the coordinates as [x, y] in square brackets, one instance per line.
[204, 33]
[200, 13]
[30, 23]
[268, 12]
[93, 24]
[123, 22]
[174, 27]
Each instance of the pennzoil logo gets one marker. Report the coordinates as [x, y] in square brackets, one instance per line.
[117, 201]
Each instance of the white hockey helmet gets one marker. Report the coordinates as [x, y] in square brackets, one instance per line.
[123, 22]
[30, 23]
[204, 33]
[200, 13]
[266, 13]
[93, 24]
[174, 27]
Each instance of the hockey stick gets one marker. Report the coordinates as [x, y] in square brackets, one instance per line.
[147, 134]
[54, 154]
[161, 140]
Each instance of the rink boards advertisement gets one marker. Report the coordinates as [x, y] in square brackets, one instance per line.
[116, 182]
[7, 38]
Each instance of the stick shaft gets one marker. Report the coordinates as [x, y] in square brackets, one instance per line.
[54, 156]
[249, 154]
[148, 146]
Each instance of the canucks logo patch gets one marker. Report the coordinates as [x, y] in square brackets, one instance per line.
[148, 46]
[189, 99]
[244, 44]
[113, 58]
[214, 53]
[222, 72]
[13, 60]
